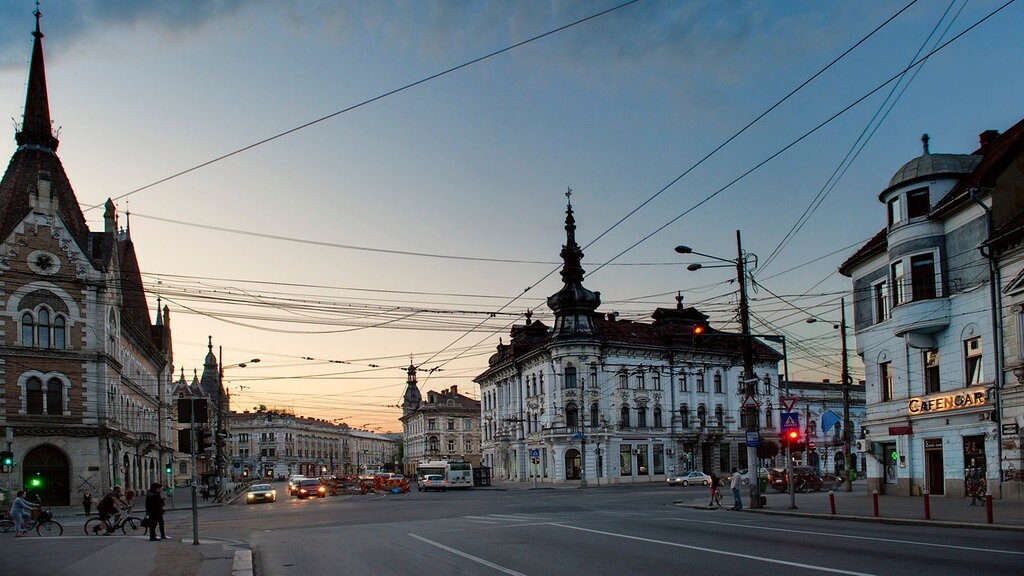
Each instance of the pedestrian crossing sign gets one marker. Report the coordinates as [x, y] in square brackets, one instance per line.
[789, 420]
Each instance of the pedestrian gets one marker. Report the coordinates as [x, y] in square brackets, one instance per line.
[154, 510]
[716, 484]
[87, 503]
[205, 492]
[21, 511]
[735, 484]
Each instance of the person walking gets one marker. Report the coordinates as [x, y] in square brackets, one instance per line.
[21, 511]
[154, 510]
[735, 484]
[87, 503]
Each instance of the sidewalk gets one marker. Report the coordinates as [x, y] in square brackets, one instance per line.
[858, 505]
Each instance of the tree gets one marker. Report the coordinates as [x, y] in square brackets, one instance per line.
[768, 450]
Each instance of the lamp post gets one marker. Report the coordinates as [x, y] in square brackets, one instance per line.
[220, 420]
[848, 461]
[748, 378]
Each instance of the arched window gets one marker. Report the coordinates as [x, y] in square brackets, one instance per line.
[657, 417]
[624, 416]
[34, 396]
[768, 417]
[570, 376]
[718, 383]
[28, 329]
[55, 397]
[641, 416]
[684, 416]
[43, 327]
[572, 415]
[59, 332]
[595, 414]
[719, 416]
[702, 416]
[432, 444]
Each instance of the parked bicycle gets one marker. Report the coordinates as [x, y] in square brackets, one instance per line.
[43, 524]
[124, 521]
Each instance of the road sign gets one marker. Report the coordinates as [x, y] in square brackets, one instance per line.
[536, 460]
[789, 420]
[788, 402]
[534, 452]
[753, 438]
[811, 445]
[750, 402]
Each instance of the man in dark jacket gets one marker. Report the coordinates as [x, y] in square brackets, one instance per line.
[155, 510]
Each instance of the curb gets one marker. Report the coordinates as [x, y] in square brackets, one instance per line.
[242, 564]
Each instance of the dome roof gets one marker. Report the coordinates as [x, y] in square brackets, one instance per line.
[934, 164]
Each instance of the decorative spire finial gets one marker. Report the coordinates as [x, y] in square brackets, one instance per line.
[924, 143]
[679, 300]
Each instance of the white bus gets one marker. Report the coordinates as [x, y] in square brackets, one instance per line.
[458, 474]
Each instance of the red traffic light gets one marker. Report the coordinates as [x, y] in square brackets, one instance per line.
[793, 435]
[698, 329]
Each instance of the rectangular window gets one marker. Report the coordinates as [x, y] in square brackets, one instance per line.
[972, 361]
[931, 371]
[718, 383]
[885, 380]
[656, 381]
[623, 380]
[897, 283]
[1020, 331]
[922, 276]
[895, 211]
[640, 382]
[451, 445]
[881, 301]
[467, 424]
[431, 424]
[700, 383]
[593, 377]
[917, 203]
[682, 383]
[451, 424]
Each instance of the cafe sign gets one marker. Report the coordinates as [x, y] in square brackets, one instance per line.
[966, 398]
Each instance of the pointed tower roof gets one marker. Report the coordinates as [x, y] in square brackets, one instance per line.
[35, 170]
[210, 381]
[573, 300]
[412, 398]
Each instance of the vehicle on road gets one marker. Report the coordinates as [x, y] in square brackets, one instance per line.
[293, 483]
[311, 488]
[695, 477]
[458, 474]
[805, 479]
[124, 521]
[433, 482]
[260, 493]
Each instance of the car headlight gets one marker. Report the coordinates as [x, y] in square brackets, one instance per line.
[250, 495]
[273, 492]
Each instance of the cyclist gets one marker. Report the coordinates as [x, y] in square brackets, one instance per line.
[111, 504]
[716, 484]
[21, 511]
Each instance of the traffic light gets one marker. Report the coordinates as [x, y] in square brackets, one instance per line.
[204, 440]
[791, 438]
[168, 469]
[35, 482]
[6, 461]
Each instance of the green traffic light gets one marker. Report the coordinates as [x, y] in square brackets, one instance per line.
[893, 455]
[35, 482]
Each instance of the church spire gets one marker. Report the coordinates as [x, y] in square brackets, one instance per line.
[573, 305]
[36, 130]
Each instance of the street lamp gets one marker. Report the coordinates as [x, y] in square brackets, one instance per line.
[850, 464]
[748, 379]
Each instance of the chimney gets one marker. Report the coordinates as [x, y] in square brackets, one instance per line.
[986, 137]
[824, 381]
[455, 390]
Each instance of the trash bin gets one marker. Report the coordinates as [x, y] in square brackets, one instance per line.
[762, 485]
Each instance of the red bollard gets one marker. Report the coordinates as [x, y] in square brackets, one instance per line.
[988, 508]
[832, 501]
[927, 506]
[874, 500]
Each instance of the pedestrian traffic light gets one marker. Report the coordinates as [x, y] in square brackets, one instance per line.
[168, 469]
[6, 461]
[35, 482]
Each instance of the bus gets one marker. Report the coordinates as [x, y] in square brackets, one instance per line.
[458, 474]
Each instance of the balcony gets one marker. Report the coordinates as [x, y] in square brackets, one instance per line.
[917, 321]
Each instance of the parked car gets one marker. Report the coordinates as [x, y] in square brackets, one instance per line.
[762, 472]
[805, 479]
[260, 493]
[434, 482]
[694, 477]
[310, 488]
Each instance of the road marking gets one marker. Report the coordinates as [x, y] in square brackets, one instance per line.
[852, 537]
[720, 552]
[468, 556]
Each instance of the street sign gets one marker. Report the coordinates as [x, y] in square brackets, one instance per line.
[750, 402]
[753, 438]
[534, 452]
[1010, 428]
[811, 445]
[788, 403]
[536, 460]
[789, 420]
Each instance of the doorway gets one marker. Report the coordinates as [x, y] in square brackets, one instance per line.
[934, 475]
[572, 464]
[47, 474]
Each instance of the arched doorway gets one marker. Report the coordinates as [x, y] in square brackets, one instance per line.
[46, 473]
[572, 464]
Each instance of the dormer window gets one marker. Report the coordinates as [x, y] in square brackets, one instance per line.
[918, 203]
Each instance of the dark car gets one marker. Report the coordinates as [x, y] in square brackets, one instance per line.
[805, 479]
[311, 488]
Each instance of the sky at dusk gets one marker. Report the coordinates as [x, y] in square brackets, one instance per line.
[338, 188]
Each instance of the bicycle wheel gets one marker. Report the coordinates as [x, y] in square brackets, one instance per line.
[49, 528]
[95, 527]
[132, 526]
[6, 526]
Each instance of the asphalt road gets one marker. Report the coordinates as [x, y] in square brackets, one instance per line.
[602, 531]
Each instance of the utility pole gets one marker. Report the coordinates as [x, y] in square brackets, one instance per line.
[583, 425]
[749, 380]
[847, 425]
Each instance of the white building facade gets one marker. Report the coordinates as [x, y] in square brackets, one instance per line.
[598, 400]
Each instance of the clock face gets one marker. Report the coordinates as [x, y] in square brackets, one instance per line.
[42, 262]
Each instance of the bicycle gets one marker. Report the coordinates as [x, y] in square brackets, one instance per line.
[716, 498]
[44, 524]
[128, 524]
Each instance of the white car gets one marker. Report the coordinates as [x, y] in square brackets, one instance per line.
[690, 478]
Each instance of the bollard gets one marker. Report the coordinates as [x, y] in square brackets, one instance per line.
[988, 508]
[832, 501]
[927, 507]
[874, 501]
